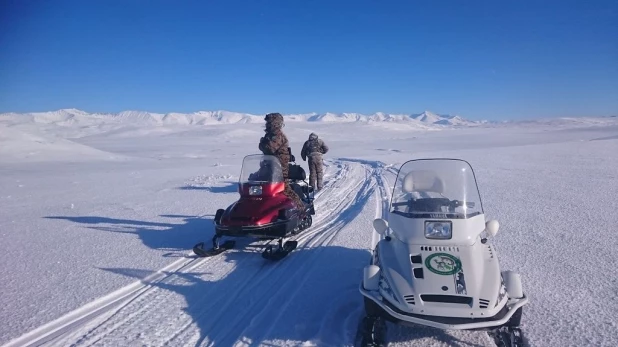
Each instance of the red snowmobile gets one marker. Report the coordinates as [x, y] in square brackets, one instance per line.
[263, 211]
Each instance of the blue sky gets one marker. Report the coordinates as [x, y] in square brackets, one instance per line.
[479, 59]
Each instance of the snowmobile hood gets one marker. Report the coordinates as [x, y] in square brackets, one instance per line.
[252, 211]
[422, 276]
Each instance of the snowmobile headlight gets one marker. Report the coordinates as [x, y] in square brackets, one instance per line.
[439, 230]
[255, 190]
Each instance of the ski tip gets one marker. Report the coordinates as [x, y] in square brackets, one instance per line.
[275, 254]
[290, 245]
[199, 250]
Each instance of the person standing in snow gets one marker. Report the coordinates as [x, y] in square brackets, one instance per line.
[314, 148]
[276, 143]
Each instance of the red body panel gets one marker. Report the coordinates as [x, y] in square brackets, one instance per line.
[256, 210]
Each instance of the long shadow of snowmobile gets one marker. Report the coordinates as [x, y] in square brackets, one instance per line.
[309, 297]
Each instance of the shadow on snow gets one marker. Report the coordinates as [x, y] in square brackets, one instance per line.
[310, 296]
[174, 237]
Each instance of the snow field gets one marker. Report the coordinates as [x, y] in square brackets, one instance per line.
[97, 249]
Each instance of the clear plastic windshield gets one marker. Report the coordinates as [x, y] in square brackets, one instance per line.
[261, 168]
[436, 188]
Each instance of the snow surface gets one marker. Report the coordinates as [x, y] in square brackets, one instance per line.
[98, 214]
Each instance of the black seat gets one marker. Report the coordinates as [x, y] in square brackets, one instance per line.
[296, 172]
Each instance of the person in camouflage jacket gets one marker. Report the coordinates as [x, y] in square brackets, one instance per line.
[314, 148]
[274, 142]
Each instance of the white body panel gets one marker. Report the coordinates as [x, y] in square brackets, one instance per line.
[451, 283]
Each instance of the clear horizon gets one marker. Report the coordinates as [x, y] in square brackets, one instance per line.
[481, 60]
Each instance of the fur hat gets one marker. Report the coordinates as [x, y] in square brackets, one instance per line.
[274, 121]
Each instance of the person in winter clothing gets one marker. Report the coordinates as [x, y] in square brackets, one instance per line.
[314, 148]
[276, 143]
[264, 173]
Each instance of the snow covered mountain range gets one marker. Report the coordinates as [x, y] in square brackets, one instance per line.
[72, 116]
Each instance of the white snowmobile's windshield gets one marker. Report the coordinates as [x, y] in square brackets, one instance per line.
[261, 168]
[436, 188]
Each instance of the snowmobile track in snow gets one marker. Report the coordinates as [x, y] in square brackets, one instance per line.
[108, 302]
[93, 322]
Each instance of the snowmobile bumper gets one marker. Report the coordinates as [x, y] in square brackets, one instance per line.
[272, 230]
[388, 311]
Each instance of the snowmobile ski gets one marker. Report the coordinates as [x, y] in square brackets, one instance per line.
[201, 252]
[280, 252]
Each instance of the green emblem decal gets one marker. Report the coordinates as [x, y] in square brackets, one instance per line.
[443, 264]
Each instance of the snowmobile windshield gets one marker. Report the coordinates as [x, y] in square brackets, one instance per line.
[436, 188]
[261, 168]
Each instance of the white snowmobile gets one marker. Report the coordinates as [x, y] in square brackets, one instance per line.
[433, 265]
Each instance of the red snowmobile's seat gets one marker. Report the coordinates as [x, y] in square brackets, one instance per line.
[296, 173]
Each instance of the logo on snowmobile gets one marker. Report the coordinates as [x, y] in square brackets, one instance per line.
[437, 215]
[443, 264]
